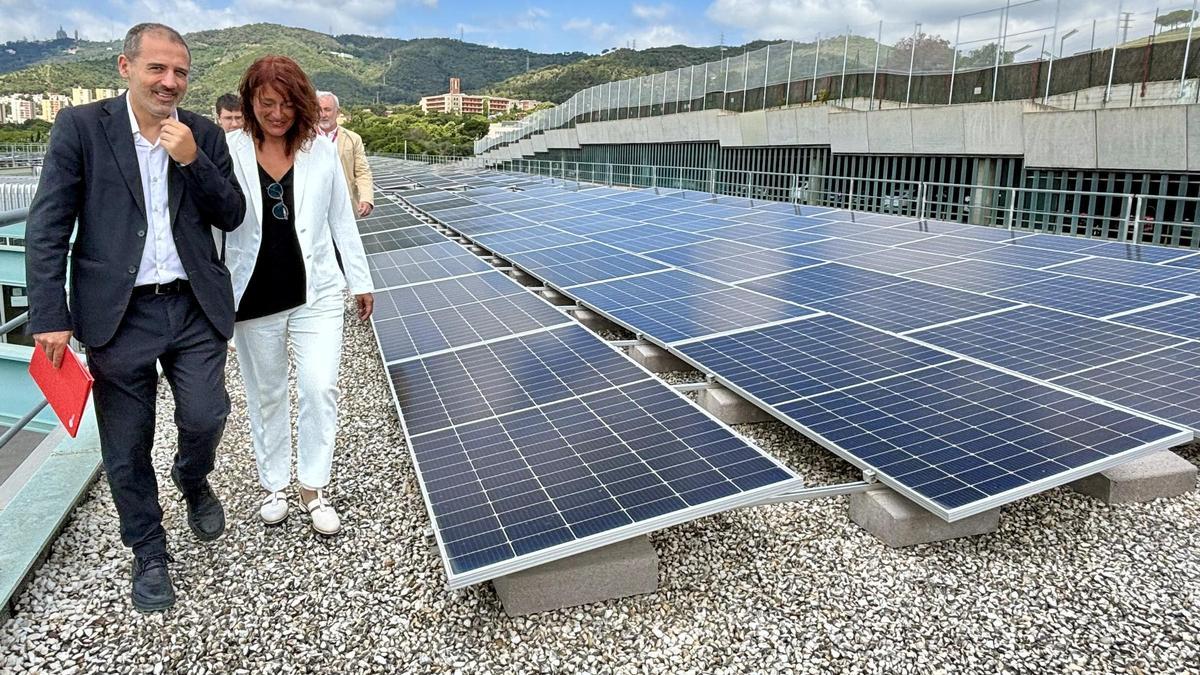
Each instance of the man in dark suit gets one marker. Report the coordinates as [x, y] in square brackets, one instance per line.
[145, 182]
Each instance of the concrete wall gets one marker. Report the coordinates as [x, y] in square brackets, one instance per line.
[1163, 138]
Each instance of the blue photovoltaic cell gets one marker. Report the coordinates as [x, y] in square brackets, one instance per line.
[980, 276]
[568, 274]
[689, 222]
[961, 437]
[1124, 271]
[643, 237]
[644, 290]
[392, 240]
[834, 249]
[501, 377]
[719, 210]
[742, 267]
[1150, 254]
[885, 219]
[1178, 318]
[638, 212]
[1025, 256]
[985, 233]
[1057, 242]
[702, 252]
[552, 212]
[843, 229]
[716, 312]
[1165, 384]
[1086, 296]
[422, 263]
[1187, 283]
[887, 236]
[426, 318]
[575, 253]
[822, 282]
[782, 238]
[1191, 262]
[787, 220]
[484, 224]
[950, 245]
[619, 463]
[383, 223]
[910, 305]
[896, 260]
[932, 226]
[1042, 342]
[808, 357]
[740, 231]
[592, 224]
[526, 239]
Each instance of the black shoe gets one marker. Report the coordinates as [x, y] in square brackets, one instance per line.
[204, 513]
[152, 588]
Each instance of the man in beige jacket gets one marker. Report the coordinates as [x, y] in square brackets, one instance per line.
[351, 152]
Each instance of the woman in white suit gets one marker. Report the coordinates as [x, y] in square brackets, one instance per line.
[286, 283]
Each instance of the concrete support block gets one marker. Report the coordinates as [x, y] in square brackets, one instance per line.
[524, 279]
[593, 321]
[729, 407]
[1162, 474]
[898, 522]
[619, 570]
[656, 359]
[556, 298]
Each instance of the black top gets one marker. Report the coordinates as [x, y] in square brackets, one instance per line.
[278, 282]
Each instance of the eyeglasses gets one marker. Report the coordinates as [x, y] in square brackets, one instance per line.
[280, 210]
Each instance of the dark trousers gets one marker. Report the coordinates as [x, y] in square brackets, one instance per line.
[173, 330]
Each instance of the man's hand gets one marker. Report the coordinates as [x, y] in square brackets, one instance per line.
[365, 209]
[176, 137]
[54, 344]
[366, 304]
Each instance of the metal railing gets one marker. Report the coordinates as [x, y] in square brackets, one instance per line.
[15, 429]
[1102, 215]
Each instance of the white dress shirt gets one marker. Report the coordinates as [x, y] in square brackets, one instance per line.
[160, 260]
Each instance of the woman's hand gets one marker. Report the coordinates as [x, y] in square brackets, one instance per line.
[366, 304]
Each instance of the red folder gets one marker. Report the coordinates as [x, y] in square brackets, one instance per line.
[66, 388]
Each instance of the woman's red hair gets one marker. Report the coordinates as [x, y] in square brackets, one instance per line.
[286, 76]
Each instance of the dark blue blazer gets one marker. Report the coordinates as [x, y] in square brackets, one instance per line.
[91, 175]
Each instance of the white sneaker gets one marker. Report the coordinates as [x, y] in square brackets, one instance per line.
[274, 509]
[325, 518]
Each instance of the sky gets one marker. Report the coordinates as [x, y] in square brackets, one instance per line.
[574, 25]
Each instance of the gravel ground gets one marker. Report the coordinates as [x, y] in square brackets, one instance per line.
[1067, 584]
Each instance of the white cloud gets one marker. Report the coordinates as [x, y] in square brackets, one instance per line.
[597, 31]
[652, 12]
[661, 36]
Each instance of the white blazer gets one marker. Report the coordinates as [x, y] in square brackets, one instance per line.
[322, 203]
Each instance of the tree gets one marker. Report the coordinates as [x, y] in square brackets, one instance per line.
[933, 53]
[1180, 17]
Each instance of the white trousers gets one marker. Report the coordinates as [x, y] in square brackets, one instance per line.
[314, 332]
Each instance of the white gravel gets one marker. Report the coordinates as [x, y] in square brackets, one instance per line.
[1067, 584]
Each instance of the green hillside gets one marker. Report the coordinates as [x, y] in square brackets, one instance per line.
[358, 68]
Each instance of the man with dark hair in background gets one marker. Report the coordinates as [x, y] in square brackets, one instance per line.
[141, 183]
[229, 112]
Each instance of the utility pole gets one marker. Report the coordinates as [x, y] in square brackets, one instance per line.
[1126, 21]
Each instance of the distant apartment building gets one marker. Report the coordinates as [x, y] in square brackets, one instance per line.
[456, 102]
[83, 95]
[18, 110]
[50, 105]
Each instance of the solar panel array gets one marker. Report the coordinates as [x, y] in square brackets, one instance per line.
[532, 438]
[967, 366]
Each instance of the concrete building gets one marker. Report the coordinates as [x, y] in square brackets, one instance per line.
[50, 105]
[458, 103]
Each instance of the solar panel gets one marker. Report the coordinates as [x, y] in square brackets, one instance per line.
[1165, 384]
[933, 226]
[1025, 256]
[389, 222]
[488, 224]
[523, 489]
[980, 276]
[422, 263]
[843, 229]
[494, 379]
[1151, 254]
[449, 202]
[1188, 283]
[961, 438]
[1057, 242]
[641, 238]
[834, 249]
[1124, 271]
[1177, 318]
[994, 234]
[706, 314]
[752, 265]
[702, 252]
[950, 245]
[807, 357]
[889, 236]
[392, 240]
[1043, 343]
[427, 318]
[689, 222]
[574, 264]
[526, 239]
[896, 260]
[1191, 262]
[822, 282]
[1086, 296]
[592, 224]
[766, 237]
[645, 289]
[910, 305]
